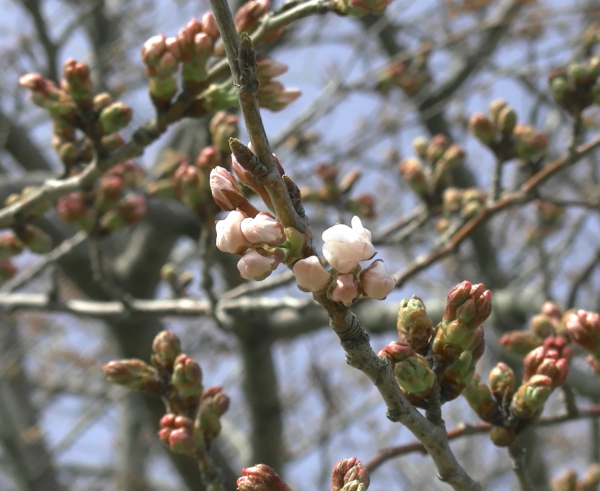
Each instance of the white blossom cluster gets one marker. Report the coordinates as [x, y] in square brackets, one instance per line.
[261, 242]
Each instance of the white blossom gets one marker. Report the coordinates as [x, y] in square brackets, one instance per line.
[229, 233]
[345, 247]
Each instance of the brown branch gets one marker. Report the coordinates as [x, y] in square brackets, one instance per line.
[468, 430]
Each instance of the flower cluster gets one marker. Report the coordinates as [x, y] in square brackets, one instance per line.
[427, 361]
[546, 364]
[193, 420]
[344, 248]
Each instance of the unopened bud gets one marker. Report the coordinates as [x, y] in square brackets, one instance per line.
[480, 399]
[502, 382]
[10, 246]
[134, 374]
[187, 376]
[261, 478]
[520, 342]
[34, 239]
[167, 347]
[482, 129]
[115, 117]
[437, 146]
[7, 270]
[414, 326]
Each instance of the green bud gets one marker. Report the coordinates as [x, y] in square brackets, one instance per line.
[496, 107]
[507, 120]
[415, 376]
[414, 326]
[501, 437]
[115, 117]
[167, 347]
[528, 402]
[134, 374]
[578, 73]
[502, 382]
[187, 376]
[593, 67]
[480, 399]
[559, 88]
[420, 145]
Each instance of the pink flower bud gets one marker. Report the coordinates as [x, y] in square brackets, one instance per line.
[229, 233]
[181, 441]
[247, 17]
[172, 47]
[376, 282]
[225, 191]
[209, 25]
[256, 265]
[345, 289]
[267, 68]
[345, 247]
[310, 275]
[583, 328]
[263, 229]
[153, 49]
[274, 96]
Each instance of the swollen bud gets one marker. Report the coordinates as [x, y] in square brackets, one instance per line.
[261, 478]
[166, 346]
[134, 374]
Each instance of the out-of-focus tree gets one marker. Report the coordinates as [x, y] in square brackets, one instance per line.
[458, 138]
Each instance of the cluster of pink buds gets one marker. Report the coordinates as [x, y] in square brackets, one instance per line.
[192, 47]
[108, 203]
[194, 414]
[263, 234]
[501, 133]
[271, 93]
[344, 248]
[551, 359]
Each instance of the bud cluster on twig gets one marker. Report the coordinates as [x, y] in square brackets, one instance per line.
[429, 360]
[264, 243]
[576, 87]
[193, 413]
[501, 133]
[428, 174]
[548, 354]
[411, 75]
[335, 190]
[14, 242]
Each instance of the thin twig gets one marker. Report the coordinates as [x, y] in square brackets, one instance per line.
[468, 430]
[517, 455]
